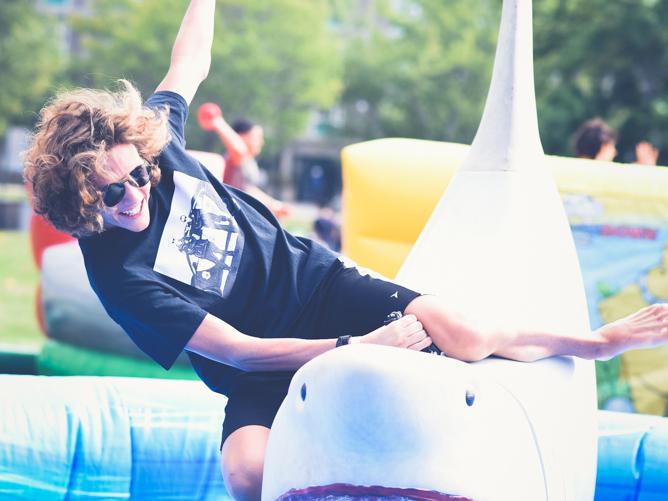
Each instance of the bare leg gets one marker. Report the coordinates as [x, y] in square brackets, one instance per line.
[456, 337]
[468, 340]
[242, 462]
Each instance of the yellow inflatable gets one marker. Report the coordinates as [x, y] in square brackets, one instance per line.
[618, 214]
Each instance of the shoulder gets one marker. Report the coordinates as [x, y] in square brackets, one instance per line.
[167, 98]
[177, 111]
[104, 254]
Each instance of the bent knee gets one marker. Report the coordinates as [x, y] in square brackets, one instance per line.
[243, 479]
[242, 462]
[473, 347]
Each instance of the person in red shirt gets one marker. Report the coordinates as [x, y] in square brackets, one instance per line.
[243, 141]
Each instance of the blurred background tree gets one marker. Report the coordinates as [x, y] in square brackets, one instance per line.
[29, 63]
[602, 58]
[273, 62]
[361, 69]
[418, 69]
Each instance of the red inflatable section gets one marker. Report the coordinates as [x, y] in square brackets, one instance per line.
[43, 235]
[39, 309]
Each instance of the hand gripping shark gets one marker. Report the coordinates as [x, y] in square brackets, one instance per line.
[365, 422]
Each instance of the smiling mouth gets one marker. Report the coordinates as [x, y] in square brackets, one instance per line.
[363, 493]
[134, 211]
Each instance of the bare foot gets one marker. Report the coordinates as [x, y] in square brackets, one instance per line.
[645, 328]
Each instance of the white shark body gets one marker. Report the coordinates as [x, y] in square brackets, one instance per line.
[497, 247]
[366, 416]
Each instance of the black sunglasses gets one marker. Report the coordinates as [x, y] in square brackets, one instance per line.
[113, 193]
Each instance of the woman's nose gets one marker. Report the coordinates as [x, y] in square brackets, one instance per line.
[133, 192]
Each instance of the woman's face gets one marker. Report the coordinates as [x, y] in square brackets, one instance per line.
[131, 212]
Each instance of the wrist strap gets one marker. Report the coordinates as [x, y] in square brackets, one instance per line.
[343, 340]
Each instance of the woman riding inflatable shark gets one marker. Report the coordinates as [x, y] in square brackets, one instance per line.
[156, 228]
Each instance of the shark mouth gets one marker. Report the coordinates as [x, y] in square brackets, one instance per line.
[349, 492]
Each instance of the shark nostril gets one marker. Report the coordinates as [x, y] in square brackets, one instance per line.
[303, 392]
[470, 397]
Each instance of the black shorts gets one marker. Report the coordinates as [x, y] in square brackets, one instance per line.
[347, 302]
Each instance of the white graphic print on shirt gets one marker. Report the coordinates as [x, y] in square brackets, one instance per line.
[201, 243]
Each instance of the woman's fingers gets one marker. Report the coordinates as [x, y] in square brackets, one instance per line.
[406, 332]
[422, 344]
[415, 337]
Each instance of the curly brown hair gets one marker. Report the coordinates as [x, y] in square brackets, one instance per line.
[68, 150]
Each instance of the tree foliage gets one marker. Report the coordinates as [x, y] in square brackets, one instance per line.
[272, 61]
[414, 68]
[421, 69]
[602, 58]
[29, 61]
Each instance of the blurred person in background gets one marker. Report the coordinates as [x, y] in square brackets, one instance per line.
[596, 140]
[243, 141]
[646, 153]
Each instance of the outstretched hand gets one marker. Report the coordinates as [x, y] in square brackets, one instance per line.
[646, 328]
[407, 332]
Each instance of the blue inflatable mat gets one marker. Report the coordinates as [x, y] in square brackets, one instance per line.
[75, 438]
[83, 438]
[632, 457]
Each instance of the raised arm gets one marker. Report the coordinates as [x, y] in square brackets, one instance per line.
[191, 54]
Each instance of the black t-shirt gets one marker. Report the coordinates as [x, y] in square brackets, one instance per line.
[208, 249]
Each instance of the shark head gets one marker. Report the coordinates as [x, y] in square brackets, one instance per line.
[375, 421]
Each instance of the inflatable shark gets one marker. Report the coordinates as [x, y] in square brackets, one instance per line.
[374, 421]
[380, 422]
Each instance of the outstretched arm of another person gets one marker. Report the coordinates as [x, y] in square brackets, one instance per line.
[280, 209]
[191, 53]
[235, 146]
[238, 154]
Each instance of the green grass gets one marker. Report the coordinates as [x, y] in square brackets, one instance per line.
[18, 284]
[19, 278]
[12, 193]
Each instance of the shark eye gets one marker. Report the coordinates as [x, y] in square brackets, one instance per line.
[303, 392]
[470, 397]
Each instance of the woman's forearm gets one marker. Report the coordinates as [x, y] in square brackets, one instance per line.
[282, 354]
[219, 341]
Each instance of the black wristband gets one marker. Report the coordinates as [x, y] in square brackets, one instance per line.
[343, 340]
